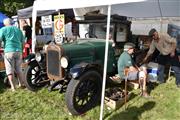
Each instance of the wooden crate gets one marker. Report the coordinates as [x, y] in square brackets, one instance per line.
[113, 104]
[2, 66]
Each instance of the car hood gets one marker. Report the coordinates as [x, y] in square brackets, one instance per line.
[84, 47]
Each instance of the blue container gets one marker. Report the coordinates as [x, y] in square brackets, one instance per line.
[152, 74]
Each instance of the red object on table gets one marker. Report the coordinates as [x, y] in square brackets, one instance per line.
[27, 48]
[1, 50]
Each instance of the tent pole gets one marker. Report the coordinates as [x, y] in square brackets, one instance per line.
[34, 14]
[105, 62]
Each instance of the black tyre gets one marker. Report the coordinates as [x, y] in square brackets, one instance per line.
[35, 77]
[84, 93]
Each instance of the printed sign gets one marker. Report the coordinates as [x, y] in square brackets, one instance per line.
[59, 28]
[59, 23]
[46, 21]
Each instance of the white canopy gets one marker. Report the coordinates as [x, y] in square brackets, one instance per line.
[65, 4]
[123, 7]
[149, 8]
[144, 9]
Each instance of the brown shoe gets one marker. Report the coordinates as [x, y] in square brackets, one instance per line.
[22, 87]
[116, 79]
[146, 95]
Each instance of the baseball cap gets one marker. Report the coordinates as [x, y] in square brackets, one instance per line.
[151, 32]
[129, 45]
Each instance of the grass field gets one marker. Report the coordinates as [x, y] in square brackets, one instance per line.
[43, 105]
[165, 105]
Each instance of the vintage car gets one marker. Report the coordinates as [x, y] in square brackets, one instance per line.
[77, 67]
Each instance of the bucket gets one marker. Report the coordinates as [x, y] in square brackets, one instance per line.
[152, 71]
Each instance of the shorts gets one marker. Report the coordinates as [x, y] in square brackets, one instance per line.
[136, 75]
[13, 61]
[133, 75]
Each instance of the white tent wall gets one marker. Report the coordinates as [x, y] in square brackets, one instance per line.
[142, 26]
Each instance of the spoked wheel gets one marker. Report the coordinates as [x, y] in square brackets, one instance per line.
[60, 85]
[35, 77]
[84, 93]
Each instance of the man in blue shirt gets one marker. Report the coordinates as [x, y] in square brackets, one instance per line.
[13, 40]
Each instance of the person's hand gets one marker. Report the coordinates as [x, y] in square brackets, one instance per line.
[172, 54]
[143, 61]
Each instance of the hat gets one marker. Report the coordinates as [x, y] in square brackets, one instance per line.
[151, 32]
[129, 45]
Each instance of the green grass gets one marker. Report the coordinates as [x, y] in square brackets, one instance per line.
[41, 105]
[165, 105]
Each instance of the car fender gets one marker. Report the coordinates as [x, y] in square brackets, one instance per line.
[77, 70]
[29, 58]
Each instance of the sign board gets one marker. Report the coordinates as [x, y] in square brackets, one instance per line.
[59, 29]
[46, 21]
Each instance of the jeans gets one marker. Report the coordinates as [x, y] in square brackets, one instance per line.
[175, 65]
[161, 73]
[177, 74]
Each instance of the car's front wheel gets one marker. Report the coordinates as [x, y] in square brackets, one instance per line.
[84, 93]
[35, 77]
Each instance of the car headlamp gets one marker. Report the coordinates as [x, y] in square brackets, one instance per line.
[64, 62]
[38, 57]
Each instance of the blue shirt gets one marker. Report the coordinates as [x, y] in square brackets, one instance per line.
[13, 39]
[125, 60]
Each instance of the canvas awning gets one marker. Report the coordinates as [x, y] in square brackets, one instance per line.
[27, 12]
[144, 9]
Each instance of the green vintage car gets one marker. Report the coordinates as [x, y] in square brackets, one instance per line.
[77, 67]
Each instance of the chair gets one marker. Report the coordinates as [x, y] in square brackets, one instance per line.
[169, 73]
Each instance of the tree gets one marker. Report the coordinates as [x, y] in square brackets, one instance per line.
[10, 7]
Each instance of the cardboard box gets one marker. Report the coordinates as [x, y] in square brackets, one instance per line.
[133, 85]
[115, 104]
[2, 66]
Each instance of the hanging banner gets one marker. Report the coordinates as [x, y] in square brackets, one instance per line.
[59, 28]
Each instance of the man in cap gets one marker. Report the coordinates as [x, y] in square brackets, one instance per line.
[134, 73]
[167, 54]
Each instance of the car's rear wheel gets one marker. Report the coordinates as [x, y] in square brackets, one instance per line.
[35, 77]
[84, 93]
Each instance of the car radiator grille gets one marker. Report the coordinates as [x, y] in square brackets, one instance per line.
[54, 69]
[53, 63]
